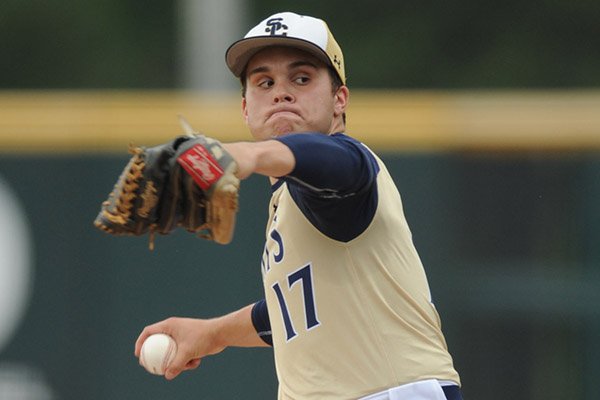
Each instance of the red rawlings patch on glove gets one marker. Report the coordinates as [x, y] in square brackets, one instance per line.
[201, 165]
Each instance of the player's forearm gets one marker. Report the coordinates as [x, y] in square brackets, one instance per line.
[236, 330]
[269, 158]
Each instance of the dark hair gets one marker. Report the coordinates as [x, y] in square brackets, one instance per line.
[336, 83]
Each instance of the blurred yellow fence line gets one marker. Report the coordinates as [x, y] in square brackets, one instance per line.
[107, 121]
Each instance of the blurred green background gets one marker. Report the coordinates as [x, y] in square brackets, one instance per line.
[387, 44]
[510, 238]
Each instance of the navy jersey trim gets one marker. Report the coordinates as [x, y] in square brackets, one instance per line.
[333, 183]
[277, 185]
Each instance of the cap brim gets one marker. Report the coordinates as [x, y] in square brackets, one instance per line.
[240, 52]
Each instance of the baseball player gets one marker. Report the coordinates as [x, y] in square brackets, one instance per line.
[347, 307]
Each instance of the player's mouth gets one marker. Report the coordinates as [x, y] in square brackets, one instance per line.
[283, 112]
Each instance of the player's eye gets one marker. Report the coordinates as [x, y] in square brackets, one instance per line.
[302, 80]
[266, 83]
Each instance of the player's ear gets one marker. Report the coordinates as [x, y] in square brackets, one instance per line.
[342, 95]
[245, 110]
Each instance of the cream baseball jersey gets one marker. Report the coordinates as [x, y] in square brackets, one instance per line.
[348, 300]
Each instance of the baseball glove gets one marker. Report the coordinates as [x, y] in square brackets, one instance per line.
[188, 182]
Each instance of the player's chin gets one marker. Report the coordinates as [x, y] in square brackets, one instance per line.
[286, 129]
[280, 126]
[272, 131]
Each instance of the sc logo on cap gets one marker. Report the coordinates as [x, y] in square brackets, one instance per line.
[274, 25]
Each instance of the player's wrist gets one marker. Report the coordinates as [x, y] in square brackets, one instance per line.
[234, 330]
[217, 335]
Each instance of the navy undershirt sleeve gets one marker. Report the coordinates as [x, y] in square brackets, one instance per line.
[334, 163]
[261, 322]
[333, 182]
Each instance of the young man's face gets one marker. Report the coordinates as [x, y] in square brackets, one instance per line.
[290, 91]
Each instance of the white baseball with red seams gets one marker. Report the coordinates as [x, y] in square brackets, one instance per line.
[157, 352]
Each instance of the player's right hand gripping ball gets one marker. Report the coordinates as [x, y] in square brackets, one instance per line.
[188, 182]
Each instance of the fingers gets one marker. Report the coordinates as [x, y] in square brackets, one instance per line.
[160, 327]
[179, 364]
[185, 332]
[193, 364]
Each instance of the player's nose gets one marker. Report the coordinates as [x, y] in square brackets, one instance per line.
[282, 94]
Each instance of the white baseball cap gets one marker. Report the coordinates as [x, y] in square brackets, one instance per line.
[287, 29]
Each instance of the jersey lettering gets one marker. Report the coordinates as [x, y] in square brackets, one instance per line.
[303, 275]
[277, 238]
[265, 263]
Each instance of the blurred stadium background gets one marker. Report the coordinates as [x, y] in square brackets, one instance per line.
[487, 113]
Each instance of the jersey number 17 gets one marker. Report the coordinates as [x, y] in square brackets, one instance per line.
[303, 275]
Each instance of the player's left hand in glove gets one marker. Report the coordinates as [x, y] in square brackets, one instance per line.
[188, 182]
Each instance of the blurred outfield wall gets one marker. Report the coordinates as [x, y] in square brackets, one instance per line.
[426, 120]
[501, 190]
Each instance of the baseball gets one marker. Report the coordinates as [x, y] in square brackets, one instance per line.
[157, 352]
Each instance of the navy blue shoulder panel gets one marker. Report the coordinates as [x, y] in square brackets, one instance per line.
[334, 183]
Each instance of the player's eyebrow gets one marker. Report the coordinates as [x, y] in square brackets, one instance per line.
[257, 70]
[302, 63]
